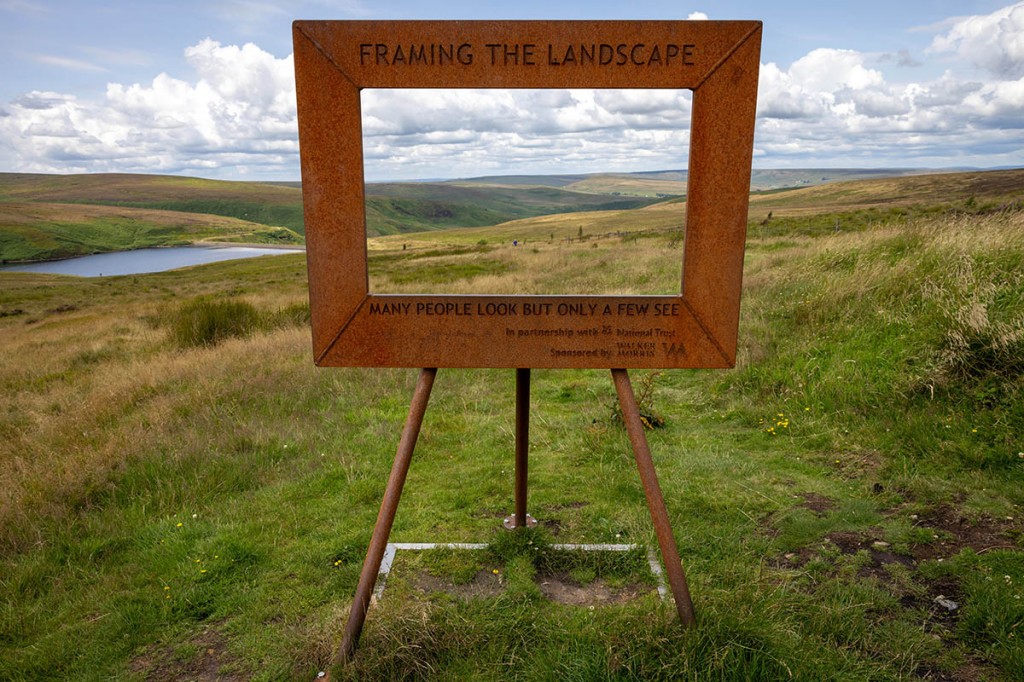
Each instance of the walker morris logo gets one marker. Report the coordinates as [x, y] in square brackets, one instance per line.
[695, 327]
[673, 349]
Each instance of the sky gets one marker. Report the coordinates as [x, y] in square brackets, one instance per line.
[206, 88]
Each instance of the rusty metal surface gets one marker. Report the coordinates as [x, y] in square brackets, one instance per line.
[386, 515]
[522, 443]
[718, 60]
[655, 501]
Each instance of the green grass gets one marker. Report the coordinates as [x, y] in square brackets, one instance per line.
[277, 215]
[418, 207]
[159, 502]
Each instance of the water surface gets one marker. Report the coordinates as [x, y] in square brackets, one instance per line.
[144, 260]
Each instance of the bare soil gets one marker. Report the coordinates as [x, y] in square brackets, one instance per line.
[564, 590]
[485, 584]
[211, 663]
[819, 504]
[957, 532]
[558, 588]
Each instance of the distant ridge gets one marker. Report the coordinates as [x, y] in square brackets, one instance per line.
[673, 181]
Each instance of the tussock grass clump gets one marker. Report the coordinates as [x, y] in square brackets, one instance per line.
[294, 315]
[978, 344]
[207, 321]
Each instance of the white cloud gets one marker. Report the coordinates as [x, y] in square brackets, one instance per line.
[430, 133]
[234, 115]
[237, 115]
[830, 108]
[827, 70]
[994, 42]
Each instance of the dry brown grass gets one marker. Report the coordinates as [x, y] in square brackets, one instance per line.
[91, 387]
[547, 229]
[941, 188]
[609, 265]
[624, 184]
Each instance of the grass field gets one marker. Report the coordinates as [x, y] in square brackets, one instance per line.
[179, 511]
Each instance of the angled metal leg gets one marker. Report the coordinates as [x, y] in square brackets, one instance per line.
[655, 501]
[386, 516]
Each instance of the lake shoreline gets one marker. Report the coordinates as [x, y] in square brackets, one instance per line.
[149, 259]
[200, 245]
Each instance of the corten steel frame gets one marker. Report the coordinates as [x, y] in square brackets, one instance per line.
[334, 60]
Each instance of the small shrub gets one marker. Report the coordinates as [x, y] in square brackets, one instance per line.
[644, 401]
[207, 322]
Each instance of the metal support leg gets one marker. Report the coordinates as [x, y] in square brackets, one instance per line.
[386, 516]
[521, 519]
[655, 501]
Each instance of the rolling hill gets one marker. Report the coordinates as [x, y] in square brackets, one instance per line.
[673, 182]
[271, 205]
[390, 207]
[50, 216]
[47, 231]
[850, 205]
[418, 207]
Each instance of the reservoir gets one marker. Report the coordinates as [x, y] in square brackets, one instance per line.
[144, 260]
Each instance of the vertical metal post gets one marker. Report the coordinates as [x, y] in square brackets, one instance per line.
[655, 501]
[386, 515]
[521, 519]
[522, 442]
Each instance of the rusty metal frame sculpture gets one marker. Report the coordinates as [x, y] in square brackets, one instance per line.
[697, 328]
[353, 327]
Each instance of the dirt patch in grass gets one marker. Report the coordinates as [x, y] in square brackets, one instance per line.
[878, 550]
[210, 661]
[942, 600]
[485, 584]
[952, 532]
[819, 504]
[562, 589]
[957, 532]
[879, 553]
[856, 465]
